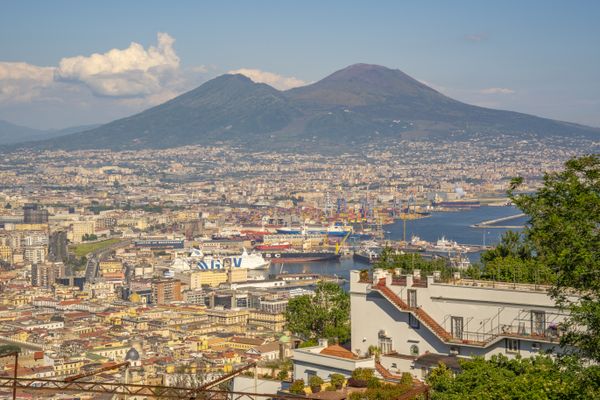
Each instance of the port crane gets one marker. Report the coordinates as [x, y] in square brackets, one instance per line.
[338, 246]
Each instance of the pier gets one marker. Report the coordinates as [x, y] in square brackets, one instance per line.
[489, 224]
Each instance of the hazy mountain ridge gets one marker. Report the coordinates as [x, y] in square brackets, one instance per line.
[358, 102]
[12, 133]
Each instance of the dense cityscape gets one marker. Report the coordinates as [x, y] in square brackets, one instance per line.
[95, 246]
[226, 202]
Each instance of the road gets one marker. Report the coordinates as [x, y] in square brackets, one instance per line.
[94, 258]
[57, 247]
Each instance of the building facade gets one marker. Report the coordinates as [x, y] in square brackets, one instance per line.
[412, 318]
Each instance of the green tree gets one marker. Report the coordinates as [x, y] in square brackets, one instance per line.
[512, 244]
[410, 262]
[541, 377]
[326, 314]
[564, 234]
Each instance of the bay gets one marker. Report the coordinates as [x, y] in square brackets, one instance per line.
[454, 225]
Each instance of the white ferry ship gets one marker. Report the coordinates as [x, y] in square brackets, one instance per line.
[198, 260]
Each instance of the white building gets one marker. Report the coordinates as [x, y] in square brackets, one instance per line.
[416, 322]
[324, 360]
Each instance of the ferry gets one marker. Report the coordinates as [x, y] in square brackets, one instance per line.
[198, 260]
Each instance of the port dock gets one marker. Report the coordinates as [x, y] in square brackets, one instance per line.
[490, 224]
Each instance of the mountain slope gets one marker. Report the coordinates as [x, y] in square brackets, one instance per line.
[360, 102]
[12, 133]
[225, 108]
[386, 100]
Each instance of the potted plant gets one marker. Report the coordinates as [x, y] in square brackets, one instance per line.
[361, 377]
[297, 387]
[337, 381]
[315, 383]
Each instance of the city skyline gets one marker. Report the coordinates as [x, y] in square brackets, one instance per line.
[63, 68]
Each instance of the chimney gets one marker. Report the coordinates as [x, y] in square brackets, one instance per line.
[323, 343]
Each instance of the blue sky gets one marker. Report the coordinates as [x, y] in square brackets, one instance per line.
[539, 57]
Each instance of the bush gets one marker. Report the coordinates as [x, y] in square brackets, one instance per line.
[282, 375]
[337, 380]
[361, 377]
[373, 383]
[363, 374]
[315, 383]
[297, 387]
[383, 392]
[308, 343]
[406, 379]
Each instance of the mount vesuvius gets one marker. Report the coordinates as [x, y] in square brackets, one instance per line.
[359, 103]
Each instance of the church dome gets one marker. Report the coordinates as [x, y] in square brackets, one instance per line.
[132, 355]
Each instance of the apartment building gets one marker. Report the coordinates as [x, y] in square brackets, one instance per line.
[418, 321]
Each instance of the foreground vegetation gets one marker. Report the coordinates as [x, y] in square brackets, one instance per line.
[324, 315]
[499, 378]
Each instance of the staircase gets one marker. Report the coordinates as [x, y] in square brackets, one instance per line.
[417, 312]
[385, 372]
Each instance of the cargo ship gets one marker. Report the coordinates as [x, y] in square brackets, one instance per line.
[332, 230]
[299, 256]
[274, 246]
[457, 204]
[366, 256]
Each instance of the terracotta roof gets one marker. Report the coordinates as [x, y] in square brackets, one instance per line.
[338, 351]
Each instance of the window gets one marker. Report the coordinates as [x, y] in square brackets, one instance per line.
[412, 298]
[538, 322]
[413, 322]
[414, 350]
[457, 327]
[512, 345]
[385, 344]
[309, 374]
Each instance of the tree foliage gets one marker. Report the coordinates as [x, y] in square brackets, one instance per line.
[564, 235]
[498, 378]
[410, 262]
[326, 314]
[513, 260]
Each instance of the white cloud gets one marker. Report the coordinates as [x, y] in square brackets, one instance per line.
[277, 81]
[476, 37]
[130, 72]
[21, 82]
[496, 90]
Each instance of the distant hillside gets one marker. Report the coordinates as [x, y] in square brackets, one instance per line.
[360, 102]
[11, 133]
